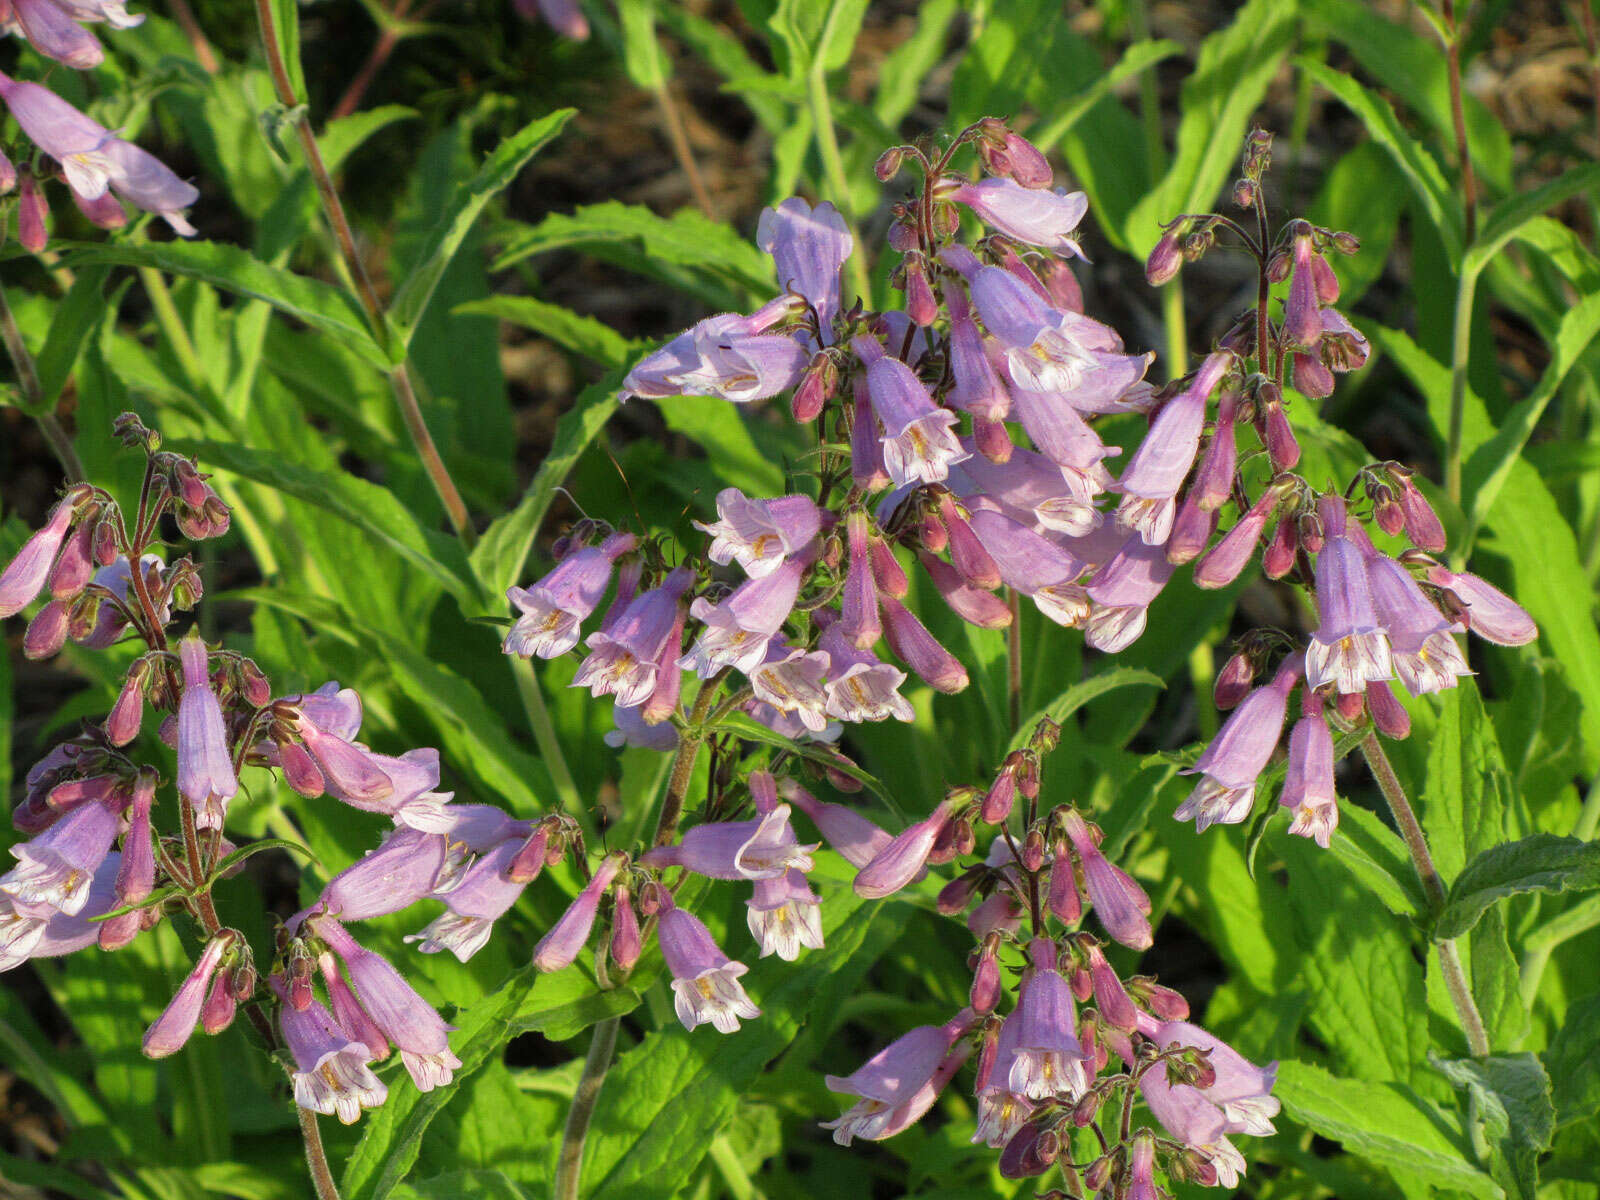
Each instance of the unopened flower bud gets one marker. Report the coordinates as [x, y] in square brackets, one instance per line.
[888, 164]
[1389, 716]
[653, 898]
[1350, 706]
[1062, 897]
[1386, 510]
[1028, 776]
[1422, 524]
[300, 770]
[1277, 560]
[816, 386]
[1234, 681]
[1046, 736]
[256, 687]
[965, 840]
[1312, 379]
[1346, 243]
[985, 992]
[1197, 243]
[946, 220]
[75, 567]
[47, 632]
[1309, 532]
[122, 723]
[1165, 260]
[105, 543]
[921, 304]
[997, 801]
[903, 235]
[1033, 850]
[1244, 193]
[1274, 429]
[957, 894]
[1278, 267]
[33, 214]
[117, 932]
[216, 1014]
[1160, 1001]
[626, 942]
[1102, 1169]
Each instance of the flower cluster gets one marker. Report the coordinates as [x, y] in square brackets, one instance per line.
[101, 170]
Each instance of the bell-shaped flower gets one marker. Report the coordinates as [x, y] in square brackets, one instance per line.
[1038, 491]
[172, 1028]
[784, 914]
[553, 609]
[1122, 590]
[726, 356]
[25, 575]
[1308, 784]
[401, 871]
[406, 1018]
[57, 868]
[760, 849]
[1048, 1060]
[93, 159]
[1034, 565]
[631, 729]
[1350, 646]
[860, 686]
[739, 629]
[561, 946]
[809, 247]
[792, 681]
[1002, 1112]
[1034, 216]
[1239, 1100]
[919, 444]
[1151, 480]
[976, 389]
[1490, 613]
[857, 840]
[136, 874]
[760, 534]
[860, 618]
[1234, 760]
[1118, 901]
[331, 1074]
[893, 1078]
[623, 660]
[1426, 656]
[1302, 316]
[900, 861]
[705, 982]
[41, 931]
[485, 893]
[1047, 350]
[920, 650]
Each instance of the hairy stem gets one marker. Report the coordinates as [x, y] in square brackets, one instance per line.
[316, 1156]
[678, 135]
[1455, 978]
[1469, 181]
[544, 733]
[203, 53]
[28, 380]
[405, 395]
[569, 1166]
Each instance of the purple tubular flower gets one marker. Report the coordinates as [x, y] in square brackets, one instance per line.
[1223, 562]
[858, 605]
[93, 159]
[40, 931]
[760, 534]
[792, 682]
[1037, 490]
[1422, 524]
[760, 849]
[106, 212]
[1425, 654]
[623, 659]
[892, 1078]
[977, 388]
[920, 650]
[57, 869]
[630, 729]
[705, 982]
[1026, 561]
[1048, 1061]
[172, 1028]
[554, 608]
[903, 857]
[919, 445]
[784, 915]
[727, 356]
[1001, 1111]
[136, 873]
[331, 1074]
[484, 894]
[348, 1014]
[857, 840]
[47, 632]
[1142, 1169]
[401, 871]
[739, 629]
[663, 700]
[1047, 350]
[1161, 463]
[1031, 215]
[1122, 591]
[24, 577]
[1350, 646]
[405, 1018]
[53, 33]
[967, 552]
[860, 686]
[1240, 1099]
[867, 471]
[75, 567]
[809, 247]
[33, 214]
[1302, 317]
[1238, 754]
[1491, 614]
[1118, 900]
[976, 607]
[1213, 482]
[1308, 784]
[561, 946]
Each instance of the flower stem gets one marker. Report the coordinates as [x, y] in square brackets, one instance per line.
[1455, 978]
[678, 135]
[1469, 181]
[1460, 346]
[28, 380]
[316, 1156]
[1538, 957]
[405, 395]
[569, 1166]
[833, 165]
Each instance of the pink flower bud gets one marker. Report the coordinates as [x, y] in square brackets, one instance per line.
[47, 632]
[33, 215]
[217, 1012]
[1277, 560]
[1233, 682]
[1421, 522]
[1388, 714]
[1165, 260]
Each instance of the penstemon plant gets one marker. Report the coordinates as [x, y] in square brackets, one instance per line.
[955, 474]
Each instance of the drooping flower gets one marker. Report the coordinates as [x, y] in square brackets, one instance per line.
[94, 159]
[1161, 463]
[25, 575]
[1490, 613]
[331, 1075]
[792, 681]
[784, 914]
[1048, 1059]
[173, 1027]
[1421, 641]
[765, 848]
[561, 946]
[809, 246]
[727, 356]
[1122, 590]
[919, 444]
[623, 660]
[1239, 1100]
[860, 686]
[857, 839]
[760, 534]
[206, 777]
[484, 894]
[401, 871]
[1118, 901]
[892, 1079]
[1033, 215]
[1308, 785]
[1234, 760]
[1350, 646]
[705, 982]
[739, 629]
[57, 868]
[554, 608]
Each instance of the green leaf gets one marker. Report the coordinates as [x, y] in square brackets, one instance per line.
[1079, 694]
[1497, 983]
[392, 1137]
[368, 507]
[76, 316]
[724, 431]
[1573, 1061]
[1137, 58]
[497, 172]
[344, 136]
[1512, 1106]
[329, 309]
[1420, 168]
[1376, 856]
[568, 1003]
[1219, 98]
[669, 1097]
[1507, 219]
[1467, 798]
[685, 250]
[499, 556]
[641, 52]
[1540, 863]
[754, 731]
[462, 1185]
[1384, 1123]
[593, 339]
